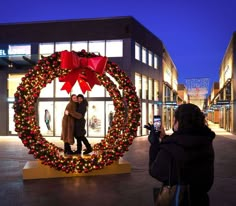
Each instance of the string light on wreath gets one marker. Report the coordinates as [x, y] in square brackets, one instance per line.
[120, 135]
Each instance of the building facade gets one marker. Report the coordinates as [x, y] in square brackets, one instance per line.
[224, 102]
[169, 88]
[122, 39]
[183, 97]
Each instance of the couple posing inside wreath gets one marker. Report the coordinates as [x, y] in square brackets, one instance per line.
[73, 126]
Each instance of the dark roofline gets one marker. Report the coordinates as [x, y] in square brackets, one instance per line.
[66, 20]
[80, 20]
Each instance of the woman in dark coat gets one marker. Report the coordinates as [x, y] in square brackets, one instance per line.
[80, 126]
[191, 147]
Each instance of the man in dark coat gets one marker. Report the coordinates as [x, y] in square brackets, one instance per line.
[80, 126]
[190, 146]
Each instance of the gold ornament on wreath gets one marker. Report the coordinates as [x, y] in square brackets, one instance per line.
[119, 136]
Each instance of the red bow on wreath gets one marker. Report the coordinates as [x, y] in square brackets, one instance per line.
[83, 70]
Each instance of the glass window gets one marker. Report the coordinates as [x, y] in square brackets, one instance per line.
[150, 113]
[150, 89]
[167, 96]
[13, 82]
[144, 55]
[156, 109]
[175, 97]
[46, 49]
[150, 58]
[11, 123]
[79, 45]
[114, 48]
[156, 91]
[61, 46]
[59, 112]
[144, 87]
[137, 51]
[96, 119]
[138, 84]
[97, 91]
[97, 47]
[144, 117]
[58, 91]
[228, 91]
[110, 111]
[45, 115]
[155, 61]
[47, 91]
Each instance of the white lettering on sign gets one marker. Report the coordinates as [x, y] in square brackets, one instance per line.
[3, 52]
[19, 49]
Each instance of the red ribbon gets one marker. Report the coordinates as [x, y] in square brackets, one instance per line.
[83, 70]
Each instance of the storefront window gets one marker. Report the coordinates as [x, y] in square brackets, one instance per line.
[45, 115]
[150, 113]
[58, 91]
[59, 112]
[228, 91]
[150, 89]
[79, 45]
[167, 94]
[156, 109]
[174, 97]
[144, 87]
[46, 49]
[156, 91]
[144, 117]
[47, 91]
[137, 51]
[96, 119]
[97, 47]
[61, 46]
[11, 123]
[138, 84]
[110, 111]
[13, 82]
[114, 48]
[97, 91]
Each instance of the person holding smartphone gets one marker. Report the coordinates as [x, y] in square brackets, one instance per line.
[191, 146]
[157, 122]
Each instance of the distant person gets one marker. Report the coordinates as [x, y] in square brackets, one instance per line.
[110, 118]
[68, 124]
[47, 119]
[191, 147]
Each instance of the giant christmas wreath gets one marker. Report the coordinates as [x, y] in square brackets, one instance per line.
[87, 69]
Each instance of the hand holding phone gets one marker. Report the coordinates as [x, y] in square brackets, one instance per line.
[157, 122]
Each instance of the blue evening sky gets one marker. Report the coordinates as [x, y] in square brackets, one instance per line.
[196, 33]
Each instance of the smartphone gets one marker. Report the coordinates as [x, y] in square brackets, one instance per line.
[157, 122]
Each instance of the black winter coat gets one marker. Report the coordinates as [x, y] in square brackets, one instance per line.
[80, 123]
[193, 150]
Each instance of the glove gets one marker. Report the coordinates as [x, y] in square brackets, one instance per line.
[154, 135]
